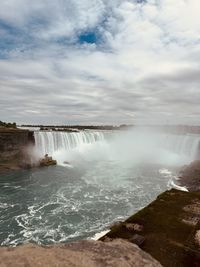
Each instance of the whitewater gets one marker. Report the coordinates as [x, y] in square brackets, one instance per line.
[133, 146]
[101, 177]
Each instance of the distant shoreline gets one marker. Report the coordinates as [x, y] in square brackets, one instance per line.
[173, 129]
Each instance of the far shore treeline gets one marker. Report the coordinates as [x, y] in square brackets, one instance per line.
[79, 127]
[8, 125]
[176, 129]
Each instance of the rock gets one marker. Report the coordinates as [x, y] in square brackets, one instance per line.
[137, 239]
[15, 148]
[189, 176]
[47, 161]
[134, 227]
[107, 239]
[197, 238]
[170, 224]
[115, 224]
[118, 253]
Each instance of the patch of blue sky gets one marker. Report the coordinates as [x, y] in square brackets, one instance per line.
[88, 37]
[26, 38]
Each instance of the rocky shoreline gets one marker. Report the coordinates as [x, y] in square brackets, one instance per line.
[118, 253]
[168, 228]
[189, 176]
[15, 145]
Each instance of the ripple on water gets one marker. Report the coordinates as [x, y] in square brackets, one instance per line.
[60, 205]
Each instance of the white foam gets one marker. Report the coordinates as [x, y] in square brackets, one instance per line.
[181, 188]
[99, 235]
[165, 171]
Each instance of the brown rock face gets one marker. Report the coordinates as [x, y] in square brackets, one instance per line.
[170, 227]
[190, 176]
[118, 253]
[47, 161]
[13, 148]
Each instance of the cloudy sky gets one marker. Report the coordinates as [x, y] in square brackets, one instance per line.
[100, 61]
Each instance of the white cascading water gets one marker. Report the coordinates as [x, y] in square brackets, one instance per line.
[187, 145]
[49, 142]
[133, 146]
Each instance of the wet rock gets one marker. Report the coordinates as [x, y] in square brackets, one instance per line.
[66, 162]
[134, 227]
[47, 161]
[190, 176]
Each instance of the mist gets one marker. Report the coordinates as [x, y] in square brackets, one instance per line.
[130, 148]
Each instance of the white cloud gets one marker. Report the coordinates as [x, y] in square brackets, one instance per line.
[145, 67]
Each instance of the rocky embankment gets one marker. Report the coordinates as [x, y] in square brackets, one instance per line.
[14, 148]
[189, 176]
[168, 229]
[118, 253]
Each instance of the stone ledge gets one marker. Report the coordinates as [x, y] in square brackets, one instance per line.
[118, 253]
[169, 226]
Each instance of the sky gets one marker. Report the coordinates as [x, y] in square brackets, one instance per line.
[100, 61]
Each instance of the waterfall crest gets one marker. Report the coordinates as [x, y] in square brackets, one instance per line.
[48, 142]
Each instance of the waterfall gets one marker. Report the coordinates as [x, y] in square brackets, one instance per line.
[48, 142]
[187, 145]
[132, 146]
